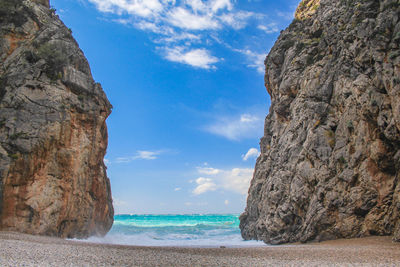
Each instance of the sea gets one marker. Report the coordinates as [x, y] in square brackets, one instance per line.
[190, 230]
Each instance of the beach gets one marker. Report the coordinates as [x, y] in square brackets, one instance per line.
[26, 250]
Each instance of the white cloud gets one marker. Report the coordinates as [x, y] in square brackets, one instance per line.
[200, 58]
[197, 5]
[123, 21]
[204, 185]
[173, 38]
[177, 189]
[212, 6]
[269, 28]
[207, 170]
[236, 180]
[236, 20]
[248, 118]
[153, 27]
[142, 8]
[145, 25]
[226, 202]
[252, 153]
[184, 23]
[221, 4]
[140, 154]
[256, 60]
[237, 128]
[185, 19]
[147, 155]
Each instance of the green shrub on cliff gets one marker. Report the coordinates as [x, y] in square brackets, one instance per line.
[55, 58]
[14, 156]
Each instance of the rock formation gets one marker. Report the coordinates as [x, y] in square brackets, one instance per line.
[330, 155]
[53, 135]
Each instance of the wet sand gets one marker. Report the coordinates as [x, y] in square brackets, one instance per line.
[25, 250]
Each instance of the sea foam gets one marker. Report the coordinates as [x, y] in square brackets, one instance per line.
[195, 230]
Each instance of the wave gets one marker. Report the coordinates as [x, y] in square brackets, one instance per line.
[193, 230]
[174, 240]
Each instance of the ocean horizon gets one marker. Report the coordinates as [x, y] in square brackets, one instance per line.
[183, 230]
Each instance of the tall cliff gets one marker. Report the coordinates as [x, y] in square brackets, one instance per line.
[53, 134]
[330, 155]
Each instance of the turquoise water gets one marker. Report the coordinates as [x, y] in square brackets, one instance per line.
[208, 230]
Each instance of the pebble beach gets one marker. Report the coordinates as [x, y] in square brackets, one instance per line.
[26, 250]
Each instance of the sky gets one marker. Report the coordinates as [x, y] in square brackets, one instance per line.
[186, 81]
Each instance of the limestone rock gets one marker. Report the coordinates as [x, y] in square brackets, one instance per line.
[330, 155]
[42, 2]
[53, 135]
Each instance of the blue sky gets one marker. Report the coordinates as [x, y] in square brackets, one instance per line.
[186, 82]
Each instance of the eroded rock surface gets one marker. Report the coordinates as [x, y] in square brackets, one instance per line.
[330, 156]
[53, 135]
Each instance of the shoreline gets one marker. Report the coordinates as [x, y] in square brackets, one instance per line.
[18, 249]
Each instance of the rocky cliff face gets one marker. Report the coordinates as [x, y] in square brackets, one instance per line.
[330, 156]
[53, 135]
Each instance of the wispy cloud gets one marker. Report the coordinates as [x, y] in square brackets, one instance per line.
[148, 155]
[207, 170]
[252, 153]
[254, 59]
[177, 25]
[236, 20]
[140, 155]
[180, 37]
[233, 180]
[150, 26]
[269, 28]
[237, 128]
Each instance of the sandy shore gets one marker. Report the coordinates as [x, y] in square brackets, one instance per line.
[26, 250]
